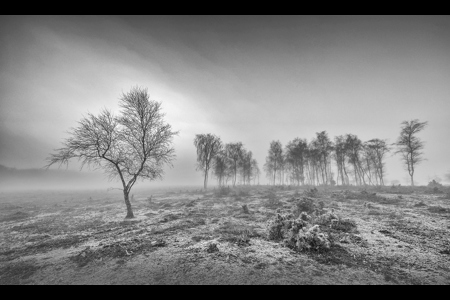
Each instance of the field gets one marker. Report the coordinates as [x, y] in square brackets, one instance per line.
[187, 236]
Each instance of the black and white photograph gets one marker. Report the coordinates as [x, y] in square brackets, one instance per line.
[224, 149]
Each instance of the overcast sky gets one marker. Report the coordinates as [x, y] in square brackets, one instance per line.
[249, 79]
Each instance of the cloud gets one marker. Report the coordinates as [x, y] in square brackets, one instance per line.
[250, 79]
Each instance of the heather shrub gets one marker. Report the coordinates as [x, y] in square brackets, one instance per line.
[272, 200]
[314, 192]
[298, 234]
[346, 225]
[312, 239]
[279, 226]
[434, 184]
[325, 219]
[308, 232]
[309, 206]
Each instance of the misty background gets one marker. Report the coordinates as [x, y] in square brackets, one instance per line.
[251, 79]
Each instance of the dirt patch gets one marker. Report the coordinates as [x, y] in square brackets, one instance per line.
[122, 249]
[438, 209]
[15, 273]
[236, 233]
[15, 217]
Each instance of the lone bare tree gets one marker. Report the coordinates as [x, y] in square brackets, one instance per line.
[208, 146]
[410, 146]
[133, 145]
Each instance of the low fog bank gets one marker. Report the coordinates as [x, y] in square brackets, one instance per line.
[12, 179]
[41, 179]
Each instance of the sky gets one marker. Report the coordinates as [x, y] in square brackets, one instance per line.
[252, 79]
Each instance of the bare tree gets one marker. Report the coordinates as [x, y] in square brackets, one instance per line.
[376, 152]
[234, 153]
[221, 167]
[340, 157]
[295, 158]
[313, 159]
[269, 169]
[274, 160]
[324, 146]
[255, 170]
[353, 147]
[410, 146]
[208, 146]
[246, 166]
[133, 145]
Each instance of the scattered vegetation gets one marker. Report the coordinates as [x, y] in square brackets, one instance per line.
[308, 205]
[14, 273]
[438, 209]
[207, 229]
[309, 228]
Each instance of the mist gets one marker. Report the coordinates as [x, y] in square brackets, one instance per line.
[249, 79]
[185, 149]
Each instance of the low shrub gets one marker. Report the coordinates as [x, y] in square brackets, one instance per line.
[312, 239]
[438, 209]
[308, 232]
[298, 234]
[314, 192]
[272, 200]
[212, 247]
[308, 205]
[345, 225]
[420, 204]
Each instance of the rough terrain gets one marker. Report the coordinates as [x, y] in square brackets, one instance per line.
[187, 236]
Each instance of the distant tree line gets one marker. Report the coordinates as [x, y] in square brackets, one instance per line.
[357, 162]
[344, 160]
[301, 163]
[230, 163]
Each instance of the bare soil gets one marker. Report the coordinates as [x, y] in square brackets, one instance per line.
[184, 236]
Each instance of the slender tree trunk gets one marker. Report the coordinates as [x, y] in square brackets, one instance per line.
[205, 182]
[235, 174]
[347, 180]
[130, 214]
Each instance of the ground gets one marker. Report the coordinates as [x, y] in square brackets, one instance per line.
[188, 236]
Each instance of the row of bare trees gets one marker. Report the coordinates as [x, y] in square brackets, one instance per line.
[229, 162]
[363, 160]
[310, 163]
[357, 162]
[300, 162]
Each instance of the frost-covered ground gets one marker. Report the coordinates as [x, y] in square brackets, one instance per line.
[184, 236]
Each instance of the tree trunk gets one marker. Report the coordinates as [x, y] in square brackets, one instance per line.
[130, 214]
[235, 174]
[205, 182]
[412, 180]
